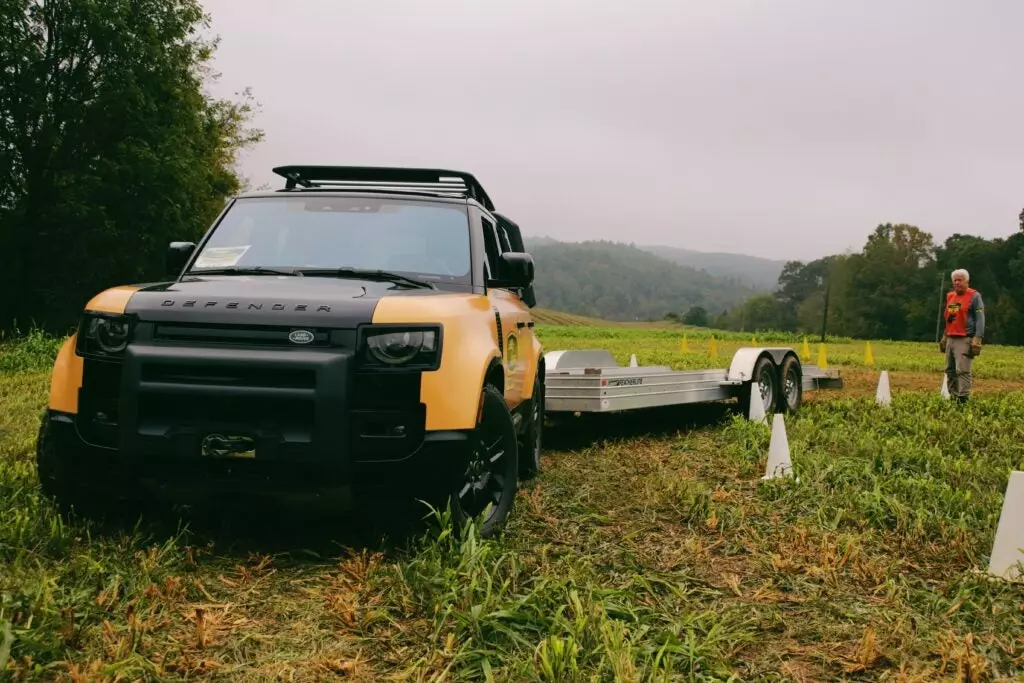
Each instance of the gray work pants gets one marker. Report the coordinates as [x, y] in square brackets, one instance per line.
[958, 366]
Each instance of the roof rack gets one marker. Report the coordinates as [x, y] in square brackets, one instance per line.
[384, 179]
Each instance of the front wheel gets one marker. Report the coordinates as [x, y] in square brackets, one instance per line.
[487, 488]
[58, 480]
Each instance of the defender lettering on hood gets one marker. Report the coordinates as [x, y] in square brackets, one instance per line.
[192, 303]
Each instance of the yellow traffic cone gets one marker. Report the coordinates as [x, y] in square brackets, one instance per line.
[713, 347]
[805, 352]
[822, 361]
[869, 357]
[753, 340]
[684, 346]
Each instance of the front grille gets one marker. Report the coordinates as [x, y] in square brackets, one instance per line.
[258, 336]
[251, 376]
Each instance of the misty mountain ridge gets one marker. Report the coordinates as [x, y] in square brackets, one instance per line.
[618, 281]
[759, 273]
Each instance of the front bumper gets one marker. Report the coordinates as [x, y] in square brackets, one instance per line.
[303, 420]
[434, 466]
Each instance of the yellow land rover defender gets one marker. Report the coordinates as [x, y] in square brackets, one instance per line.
[361, 330]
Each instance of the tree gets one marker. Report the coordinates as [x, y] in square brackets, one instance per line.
[109, 147]
[696, 316]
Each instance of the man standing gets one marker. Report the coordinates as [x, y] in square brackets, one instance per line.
[965, 327]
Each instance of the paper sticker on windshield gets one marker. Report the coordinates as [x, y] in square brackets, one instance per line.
[220, 257]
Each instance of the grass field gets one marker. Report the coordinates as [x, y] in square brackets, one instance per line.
[647, 550]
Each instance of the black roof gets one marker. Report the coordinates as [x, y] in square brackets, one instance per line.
[423, 181]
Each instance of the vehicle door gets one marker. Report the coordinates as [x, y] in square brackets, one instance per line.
[513, 318]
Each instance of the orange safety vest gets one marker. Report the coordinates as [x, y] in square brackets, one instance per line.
[957, 306]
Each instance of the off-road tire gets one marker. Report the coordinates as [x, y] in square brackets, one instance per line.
[496, 423]
[533, 441]
[57, 478]
[790, 396]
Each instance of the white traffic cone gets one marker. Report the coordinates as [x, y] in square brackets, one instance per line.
[756, 413]
[779, 463]
[632, 361]
[883, 396]
[944, 389]
[1008, 546]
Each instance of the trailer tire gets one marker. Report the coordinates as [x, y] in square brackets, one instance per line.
[791, 387]
[767, 376]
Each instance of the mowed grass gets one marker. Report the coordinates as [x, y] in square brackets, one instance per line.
[648, 549]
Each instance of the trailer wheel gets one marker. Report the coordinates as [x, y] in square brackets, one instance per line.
[791, 382]
[767, 380]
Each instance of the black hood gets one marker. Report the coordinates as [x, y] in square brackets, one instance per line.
[263, 300]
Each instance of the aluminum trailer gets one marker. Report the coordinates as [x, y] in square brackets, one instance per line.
[591, 381]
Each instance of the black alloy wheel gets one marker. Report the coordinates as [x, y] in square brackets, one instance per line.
[488, 485]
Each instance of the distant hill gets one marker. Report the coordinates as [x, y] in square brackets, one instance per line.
[621, 282]
[753, 271]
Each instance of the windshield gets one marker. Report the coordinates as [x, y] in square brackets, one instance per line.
[427, 239]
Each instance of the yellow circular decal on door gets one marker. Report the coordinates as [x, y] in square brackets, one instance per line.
[512, 350]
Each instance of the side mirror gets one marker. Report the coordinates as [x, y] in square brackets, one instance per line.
[178, 254]
[515, 270]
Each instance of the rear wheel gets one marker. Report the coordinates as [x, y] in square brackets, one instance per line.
[792, 390]
[486, 489]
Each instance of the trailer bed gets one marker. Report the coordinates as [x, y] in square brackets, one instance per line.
[591, 381]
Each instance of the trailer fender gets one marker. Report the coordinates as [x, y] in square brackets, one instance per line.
[743, 361]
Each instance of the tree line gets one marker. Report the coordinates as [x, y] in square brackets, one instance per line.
[892, 289]
[109, 148]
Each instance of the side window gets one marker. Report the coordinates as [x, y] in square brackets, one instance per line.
[490, 245]
[506, 244]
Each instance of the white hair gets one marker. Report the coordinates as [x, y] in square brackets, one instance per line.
[962, 273]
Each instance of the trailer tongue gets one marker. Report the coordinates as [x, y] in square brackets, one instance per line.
[591, 381]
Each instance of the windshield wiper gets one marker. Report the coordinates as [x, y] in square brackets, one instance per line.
[240, 270]
[368, 274]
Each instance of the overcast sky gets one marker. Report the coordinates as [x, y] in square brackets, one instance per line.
[786, 129]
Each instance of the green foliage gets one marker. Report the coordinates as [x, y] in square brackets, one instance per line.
[696, 316]
[32, 352]
[109, 147]
[891, 289]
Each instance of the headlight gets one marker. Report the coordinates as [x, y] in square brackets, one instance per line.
[403, 347]
[104, 335]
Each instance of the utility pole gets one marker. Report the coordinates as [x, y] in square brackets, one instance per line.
[824, 317]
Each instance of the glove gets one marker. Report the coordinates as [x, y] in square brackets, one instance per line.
[975, 347]
[942, 344]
